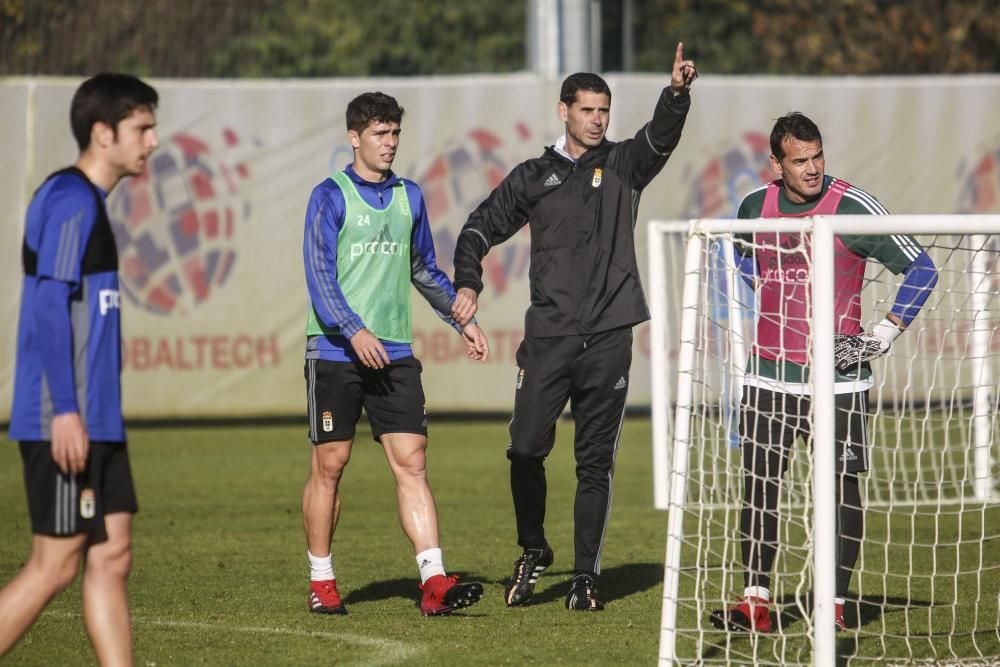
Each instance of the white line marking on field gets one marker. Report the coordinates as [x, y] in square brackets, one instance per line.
[389, 651]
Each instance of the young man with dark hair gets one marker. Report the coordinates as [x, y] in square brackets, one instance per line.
[580, 199]
[67, 390]
[777, 393]
[367, 238]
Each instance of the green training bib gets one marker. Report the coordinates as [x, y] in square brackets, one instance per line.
[373, 263]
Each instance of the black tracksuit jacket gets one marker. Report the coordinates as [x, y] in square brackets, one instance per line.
[584, 278]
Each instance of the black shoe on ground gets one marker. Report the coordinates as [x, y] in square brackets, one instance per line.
[582, 594]
[527, 568]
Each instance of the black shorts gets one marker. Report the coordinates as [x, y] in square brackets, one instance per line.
[775, 419]
[61, 505]
[393, 398]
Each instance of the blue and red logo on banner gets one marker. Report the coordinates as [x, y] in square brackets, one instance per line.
[979, 183]
[455, 182]
[176, 225]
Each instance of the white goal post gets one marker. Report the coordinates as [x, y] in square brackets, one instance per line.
[934, 441]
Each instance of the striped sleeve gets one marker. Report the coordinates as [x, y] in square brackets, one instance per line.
[52, 316]
[900, 253]
[858, 202]
[324, 218]
[895, 251]
[428, 279]
[69, 216]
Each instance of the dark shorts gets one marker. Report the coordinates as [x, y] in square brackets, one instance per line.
[772, 419]
[393, 398]
[61, 505]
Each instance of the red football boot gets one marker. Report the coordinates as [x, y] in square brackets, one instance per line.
[443, 595]
[838, 617]
[751, 615]
[324, 598]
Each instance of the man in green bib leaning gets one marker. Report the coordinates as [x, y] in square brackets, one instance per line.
[367, 239]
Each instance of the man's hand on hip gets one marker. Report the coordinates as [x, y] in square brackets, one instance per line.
[850, 351]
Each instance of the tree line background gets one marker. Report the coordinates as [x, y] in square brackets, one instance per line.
[328, 38]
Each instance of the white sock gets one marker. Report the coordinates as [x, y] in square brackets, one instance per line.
[321, 567]
[431, 563]
[838, 601]
[757, 592]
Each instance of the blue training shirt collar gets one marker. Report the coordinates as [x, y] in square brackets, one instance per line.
[379, 186]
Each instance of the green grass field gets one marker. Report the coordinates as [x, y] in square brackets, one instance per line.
[220, 573]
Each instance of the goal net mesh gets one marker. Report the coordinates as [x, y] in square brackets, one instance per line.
[927, 582]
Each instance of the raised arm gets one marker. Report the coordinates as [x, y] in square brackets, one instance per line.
[657, 139]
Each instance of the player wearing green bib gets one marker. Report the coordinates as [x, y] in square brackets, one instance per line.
[776, 403]
[367, 240]
[373, 264]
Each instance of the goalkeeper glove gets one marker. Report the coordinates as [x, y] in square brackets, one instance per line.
[850, 351]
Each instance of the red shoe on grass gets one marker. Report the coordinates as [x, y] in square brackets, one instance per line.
[443, 595]
[751, 615]
[838, 617]
[324, 598]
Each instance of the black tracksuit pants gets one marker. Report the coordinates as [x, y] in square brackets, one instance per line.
[592, 373]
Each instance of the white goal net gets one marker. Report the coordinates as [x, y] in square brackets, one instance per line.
[926, 587]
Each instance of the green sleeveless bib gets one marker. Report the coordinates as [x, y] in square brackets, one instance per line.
[373, 263]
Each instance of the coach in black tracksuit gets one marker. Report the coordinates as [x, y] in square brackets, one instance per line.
[580, 199]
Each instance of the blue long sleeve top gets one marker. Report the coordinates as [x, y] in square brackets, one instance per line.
[324, 221]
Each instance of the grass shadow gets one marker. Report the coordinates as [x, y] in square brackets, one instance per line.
[406, 588]
[384, 590]
[622, 581]
[613, 583]
[858, 612]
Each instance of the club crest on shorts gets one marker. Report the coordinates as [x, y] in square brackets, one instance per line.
[520, 378]
[596, 181]
[327, 421]
[88, 504]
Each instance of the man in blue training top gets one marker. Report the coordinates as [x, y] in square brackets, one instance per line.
[367, 239]
[67, 391]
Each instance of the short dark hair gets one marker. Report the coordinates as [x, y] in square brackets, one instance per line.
[368, 108]
[582, 81]
[107, 98]
[793, 124]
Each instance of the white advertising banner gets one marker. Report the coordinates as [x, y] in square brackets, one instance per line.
[210, 238]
